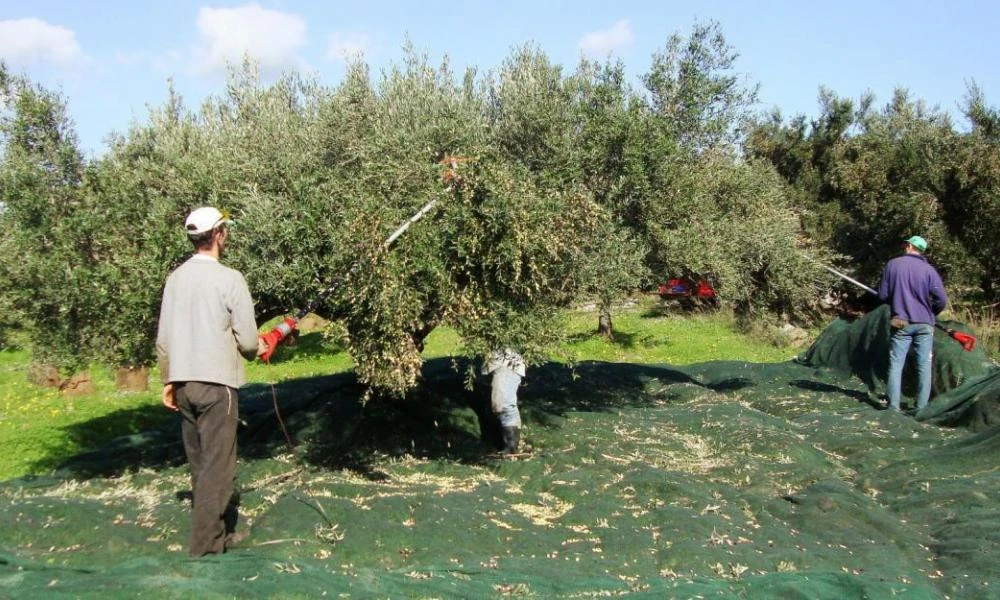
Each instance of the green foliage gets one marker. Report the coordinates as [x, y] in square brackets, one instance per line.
[865, 179]
[615, 267]
[985, 119]
[698, 99]
[528, 109]
[494, 258]
[756, 261]
[142, 191]
[564, 187]
[528, 240]
[972, 206]
[636, 153]
[51, 251]
[889, 180]
[607, 156]
[557, 182]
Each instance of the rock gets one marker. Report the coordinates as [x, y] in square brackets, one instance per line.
[795, 336]
[311, 322]
[79, 384]
[133, 379]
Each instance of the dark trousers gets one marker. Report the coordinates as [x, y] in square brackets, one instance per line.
[209, 413]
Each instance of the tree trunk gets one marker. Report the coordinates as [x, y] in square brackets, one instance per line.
[420, 335]
[604, 325]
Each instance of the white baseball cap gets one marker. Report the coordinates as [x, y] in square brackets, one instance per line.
[205, 219]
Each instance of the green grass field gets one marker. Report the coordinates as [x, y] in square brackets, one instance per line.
[41, 427]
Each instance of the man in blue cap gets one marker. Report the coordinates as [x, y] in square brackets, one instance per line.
[915, 293]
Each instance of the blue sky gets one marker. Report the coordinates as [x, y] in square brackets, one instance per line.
[112, 59]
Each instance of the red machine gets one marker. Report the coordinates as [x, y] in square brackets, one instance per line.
[279, 332]
[685, 287]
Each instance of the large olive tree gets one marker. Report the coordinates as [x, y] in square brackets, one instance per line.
[545, 187]
[48, 268]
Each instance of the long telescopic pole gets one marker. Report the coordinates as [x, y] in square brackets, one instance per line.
[968, 341]
[285, 327]
[851, 279]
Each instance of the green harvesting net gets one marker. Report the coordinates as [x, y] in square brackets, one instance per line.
[722, 479]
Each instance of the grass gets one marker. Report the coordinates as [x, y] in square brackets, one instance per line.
[985, 321]
[645, 333]
[38, 424]
[41, 427]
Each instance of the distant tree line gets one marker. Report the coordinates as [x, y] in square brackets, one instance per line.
[569, 186]
[864, 177]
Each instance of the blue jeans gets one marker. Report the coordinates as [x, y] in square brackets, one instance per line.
[921, 336]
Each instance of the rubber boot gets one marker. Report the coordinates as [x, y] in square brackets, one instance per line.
[511, 439]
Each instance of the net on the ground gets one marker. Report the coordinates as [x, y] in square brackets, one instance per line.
[722, 479]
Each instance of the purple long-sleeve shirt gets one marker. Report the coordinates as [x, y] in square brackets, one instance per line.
[913, 288]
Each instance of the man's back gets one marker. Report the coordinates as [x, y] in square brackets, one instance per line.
[913, 288]
[206, 323]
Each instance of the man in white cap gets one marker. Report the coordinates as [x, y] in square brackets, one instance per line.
[207, 327]
[915, 293]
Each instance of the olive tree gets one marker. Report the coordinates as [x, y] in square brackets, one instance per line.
[141, 190]
[732, 223]
[497, 256]
[49, 222]
[892, 180]
[972, 207]
[695, 92]
[607, 156]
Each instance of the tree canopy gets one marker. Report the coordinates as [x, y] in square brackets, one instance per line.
[550, 187]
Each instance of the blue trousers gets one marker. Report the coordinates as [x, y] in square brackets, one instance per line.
[921, 337]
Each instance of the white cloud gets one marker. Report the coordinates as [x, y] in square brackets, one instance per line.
[270, 37]
[344, 47]
[601, 43]
[31, 40]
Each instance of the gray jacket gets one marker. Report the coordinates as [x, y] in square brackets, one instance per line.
[207, 324]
